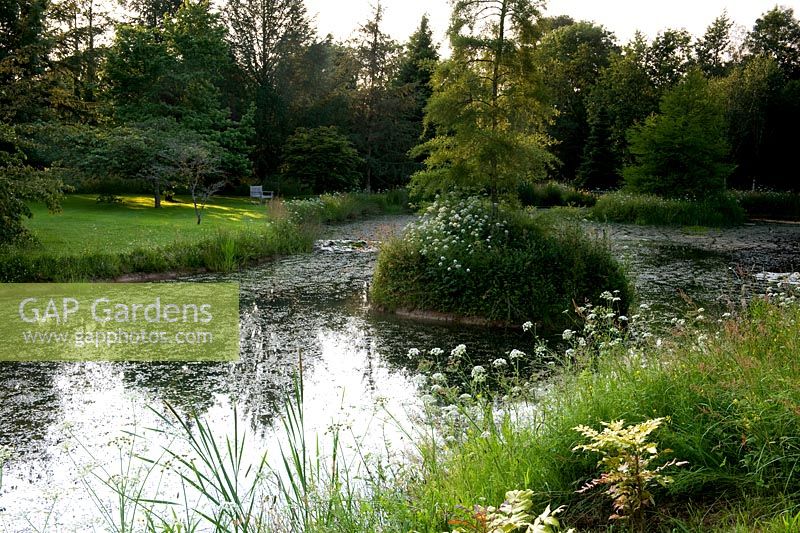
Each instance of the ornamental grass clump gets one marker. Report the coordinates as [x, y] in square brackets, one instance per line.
[470, 258]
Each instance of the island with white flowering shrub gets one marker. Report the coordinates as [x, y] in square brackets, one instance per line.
[467, 258]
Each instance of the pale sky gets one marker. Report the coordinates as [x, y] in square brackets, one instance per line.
[623, 17]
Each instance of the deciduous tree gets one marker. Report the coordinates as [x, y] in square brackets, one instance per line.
[715, 50]
[682, 151]
[321, 159]
[776, 34]
[266, 36]
[572, 56]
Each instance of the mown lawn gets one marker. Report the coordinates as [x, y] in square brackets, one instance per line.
[87, 226]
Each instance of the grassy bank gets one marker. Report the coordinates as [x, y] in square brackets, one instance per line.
[731, 210]
[470, 259]
[553, 194]
[653, 210]
[90, 240]
[731, 399]
[769, 204]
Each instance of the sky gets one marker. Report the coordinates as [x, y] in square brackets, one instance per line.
[623, 17]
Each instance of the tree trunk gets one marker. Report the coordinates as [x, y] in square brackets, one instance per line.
[156, 196]
[369, 166]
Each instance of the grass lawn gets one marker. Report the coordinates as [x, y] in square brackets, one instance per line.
[91, 241]
[85, 226]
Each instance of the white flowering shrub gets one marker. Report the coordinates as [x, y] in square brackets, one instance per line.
[452, 230]
[470, 258]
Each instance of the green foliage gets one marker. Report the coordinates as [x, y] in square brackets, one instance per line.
[339, 207]
[165, 82]
[470, 259]
[172, 71]
[379, 105]
[625, 461]
[769, 204]
[668, 58]
[269, 41]
[776, 34]
[487, 108]
[728, 396]
[762, 110]
[552, 193]
[572, 56]
[24, 49]
[513, 516]
[623, 95]
[19, 184]
[600, 160]
[321, 160]
[160, 152]
[416, 68]
[681, 151]
[646, 209]
[715, 49]
[77, 31]
[152, 13]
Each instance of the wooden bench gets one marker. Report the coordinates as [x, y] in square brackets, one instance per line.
[257, 191]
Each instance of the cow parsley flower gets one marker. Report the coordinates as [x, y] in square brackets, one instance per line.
[459, 351]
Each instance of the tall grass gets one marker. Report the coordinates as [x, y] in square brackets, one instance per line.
[227, 488]
[769, 204]
[731, 397]
[728, 388]
[338, 207]
[552, 194]
[653, 210]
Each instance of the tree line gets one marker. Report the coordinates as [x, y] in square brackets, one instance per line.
[180, 93]
[525, 97]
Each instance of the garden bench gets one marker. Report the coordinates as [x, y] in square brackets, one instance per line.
[257, 191]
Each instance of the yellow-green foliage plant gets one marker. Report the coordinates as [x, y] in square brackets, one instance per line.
[513, 516]
[626, 458]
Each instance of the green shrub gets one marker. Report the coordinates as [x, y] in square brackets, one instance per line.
[648, 209]
[769, 204]
[321, 159]
[552, 193]
[471, 259]
[338, 207]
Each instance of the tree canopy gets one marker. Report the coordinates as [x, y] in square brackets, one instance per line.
[682, 150]
[487, 106]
